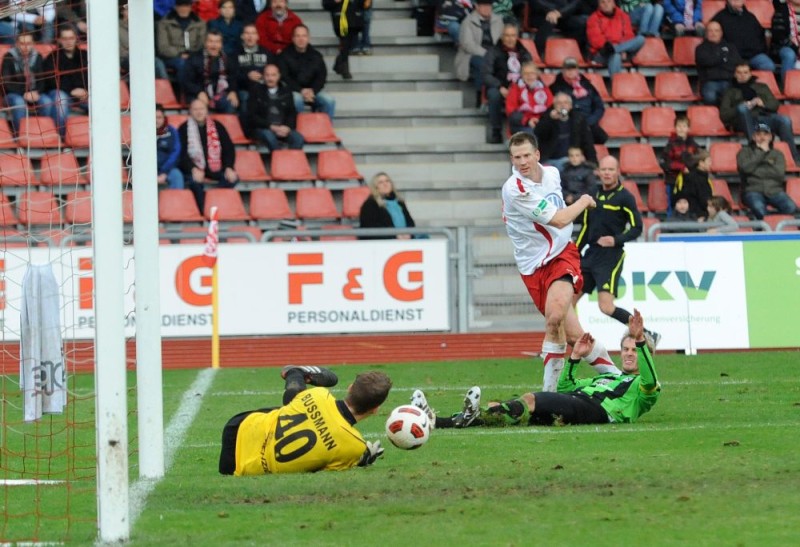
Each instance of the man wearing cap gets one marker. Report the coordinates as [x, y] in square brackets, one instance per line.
[763, 172]
[749, 102]
[479, 31]
[585, 97]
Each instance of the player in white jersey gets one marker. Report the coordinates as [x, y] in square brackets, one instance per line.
[540, 226]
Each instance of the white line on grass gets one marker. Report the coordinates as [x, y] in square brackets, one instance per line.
[174, 435]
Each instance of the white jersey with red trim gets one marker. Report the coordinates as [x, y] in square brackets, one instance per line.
[527, 208]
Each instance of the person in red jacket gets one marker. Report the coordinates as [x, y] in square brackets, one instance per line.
[276, 25]
[528, 98]
[207, 10]
[610, 36]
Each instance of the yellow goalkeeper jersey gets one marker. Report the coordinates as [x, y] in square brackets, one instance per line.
[308, 434]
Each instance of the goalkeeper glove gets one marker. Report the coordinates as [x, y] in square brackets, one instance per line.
[372, 453]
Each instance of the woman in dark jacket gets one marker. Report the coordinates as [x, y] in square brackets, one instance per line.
[385, 208]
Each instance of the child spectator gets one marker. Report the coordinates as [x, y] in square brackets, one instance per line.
[695, 185]
[577, 176]
[681, 211]
[680, 147]
[527, 100]
[719, 210]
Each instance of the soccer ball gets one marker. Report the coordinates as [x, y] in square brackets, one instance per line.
[408, 427]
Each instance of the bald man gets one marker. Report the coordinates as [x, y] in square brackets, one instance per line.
[716, 60]
[615, 221]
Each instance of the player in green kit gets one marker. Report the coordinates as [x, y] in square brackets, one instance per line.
[312, 431]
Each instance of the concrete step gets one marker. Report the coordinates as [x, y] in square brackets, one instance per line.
[492, 319]
[304, 6]
[402, 150]
[328, 44]
[456, 212]
[391, 100]
[498, 286]
[492, 250]
[445, 176]
[442, 158]
[376, 85]
[385, 24]
[388, 63]
[399, 135]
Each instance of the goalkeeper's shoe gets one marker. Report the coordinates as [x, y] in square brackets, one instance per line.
[471, 410]
[655, 338]
[418, 400]
[315, 376]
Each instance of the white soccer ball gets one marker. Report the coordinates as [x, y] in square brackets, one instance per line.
[408, 427]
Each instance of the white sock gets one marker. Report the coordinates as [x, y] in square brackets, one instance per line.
[601, 360]
[553, 354]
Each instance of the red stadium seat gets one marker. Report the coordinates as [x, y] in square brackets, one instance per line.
[60, 168]
[633, 188]
[704, 121]
[774, 219]
[252, 230]
[316, 128]
[337, 165]
[290, 165]
[230, 207]
[658, 121]
[530, 45]
[250, 167]
[352, 200]
[124, 95]
[673, 87]
[316, 204]
[127, 206]
[334, 236]
[6, 135]
[270, 204]
[178, 206]
[601, 150]
[723, 157]
[711, 8]
[618, 123]
[630, 87]
[77, 132]
[596, 79]
[177, 120]
[657, 199]
[125, 129]
[791, 166]
[233, 126]
[560, 48]
[16, 170]
[38, 208]
[767, 77]
[791, 86]
[763, 10]
[38, 132]
[791, 111]
[8, 218]
[793, 189]
[165, 96]
[638, 158]
[721, 188]
[653, 53]
[683, 48]
[78, 207]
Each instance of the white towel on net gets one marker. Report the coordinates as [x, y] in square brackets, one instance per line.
[42, 369]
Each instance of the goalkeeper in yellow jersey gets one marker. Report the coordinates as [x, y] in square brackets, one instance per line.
[312, 431]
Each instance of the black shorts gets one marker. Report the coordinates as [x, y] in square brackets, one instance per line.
[567, 408]
[227, 456]
[601, 268]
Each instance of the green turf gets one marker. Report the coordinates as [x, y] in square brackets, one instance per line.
[715, 463]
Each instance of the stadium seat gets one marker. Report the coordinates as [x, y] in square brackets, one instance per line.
[658, 121]
[647, 222]
[791, 111]
[560, 48]
[633, 188]
[742, 218]
[547, 78]
[78, 207]
[711, 8]
[316, 128]
[198, 230]
[767, 77]
[601, 150]
[177, 120]
[774, 219]
[230, 207]
[270, 204]
[16, 170]
[791, 87]
[673, 87]
[723, 157]
[44, 49]
[178, 206]
[337, 165]
[352, 200]
[638, 158]
[599, 83]
[763, 10]
[334, 228]
[315, 204]
[653, 53]
[683, 48]
[233, 126]
[791, 166]
[165, 96]
[38, 209]
[125, 129]
[630, 87]
[127, 206]
[38, 132]
[618, 123]
[250, 167]
[124, 95]
[290, 165]
[6, 135]
[77, 132]
[530, 45]
[793, 189]
[705, 122]
[657, 199]
[8, 218]
[721, 188]
[252, 230]
[59, 169]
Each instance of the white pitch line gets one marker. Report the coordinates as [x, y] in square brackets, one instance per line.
[174, 435]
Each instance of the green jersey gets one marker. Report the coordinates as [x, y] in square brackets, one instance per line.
[624, 397]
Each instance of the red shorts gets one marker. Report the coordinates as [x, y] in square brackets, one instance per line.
[568, 263]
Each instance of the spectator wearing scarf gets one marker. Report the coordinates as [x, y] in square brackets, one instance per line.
[384, 208]
[275, 26]
[527, 100]
[207, 152]
[213, 77]
[560, 129]
[23, 89]
[585, 97]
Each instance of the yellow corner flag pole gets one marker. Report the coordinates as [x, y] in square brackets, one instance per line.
[210, 255]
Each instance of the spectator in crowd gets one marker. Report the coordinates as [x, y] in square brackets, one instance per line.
[742, 29]
[252, 58]
[719, 210]
[124, 51]
[500, 71]
[480, 30]
[271, 116]
[610, 36]
[212, 76]
[528, 99]
[678, 152]
[749, 102]
[681, 211]
[363, 42]
[763, 172]
[303, 70]
[229, 26]
[74, 13]
[207, 152]
[39, 19]
[385, 208]
[207, 10]
[275, 26]
[645, 16]
[450, 13]
[346, 25]
[561, 128]
[585, 97]
[578, 176]
[68, 83]
[160, 8]
[566, 16]
[694, 185]
[248, 10]
[23, 81]
[716, 60]
[179, 34]
[168, 151]
[685, 16]
[785, 42]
